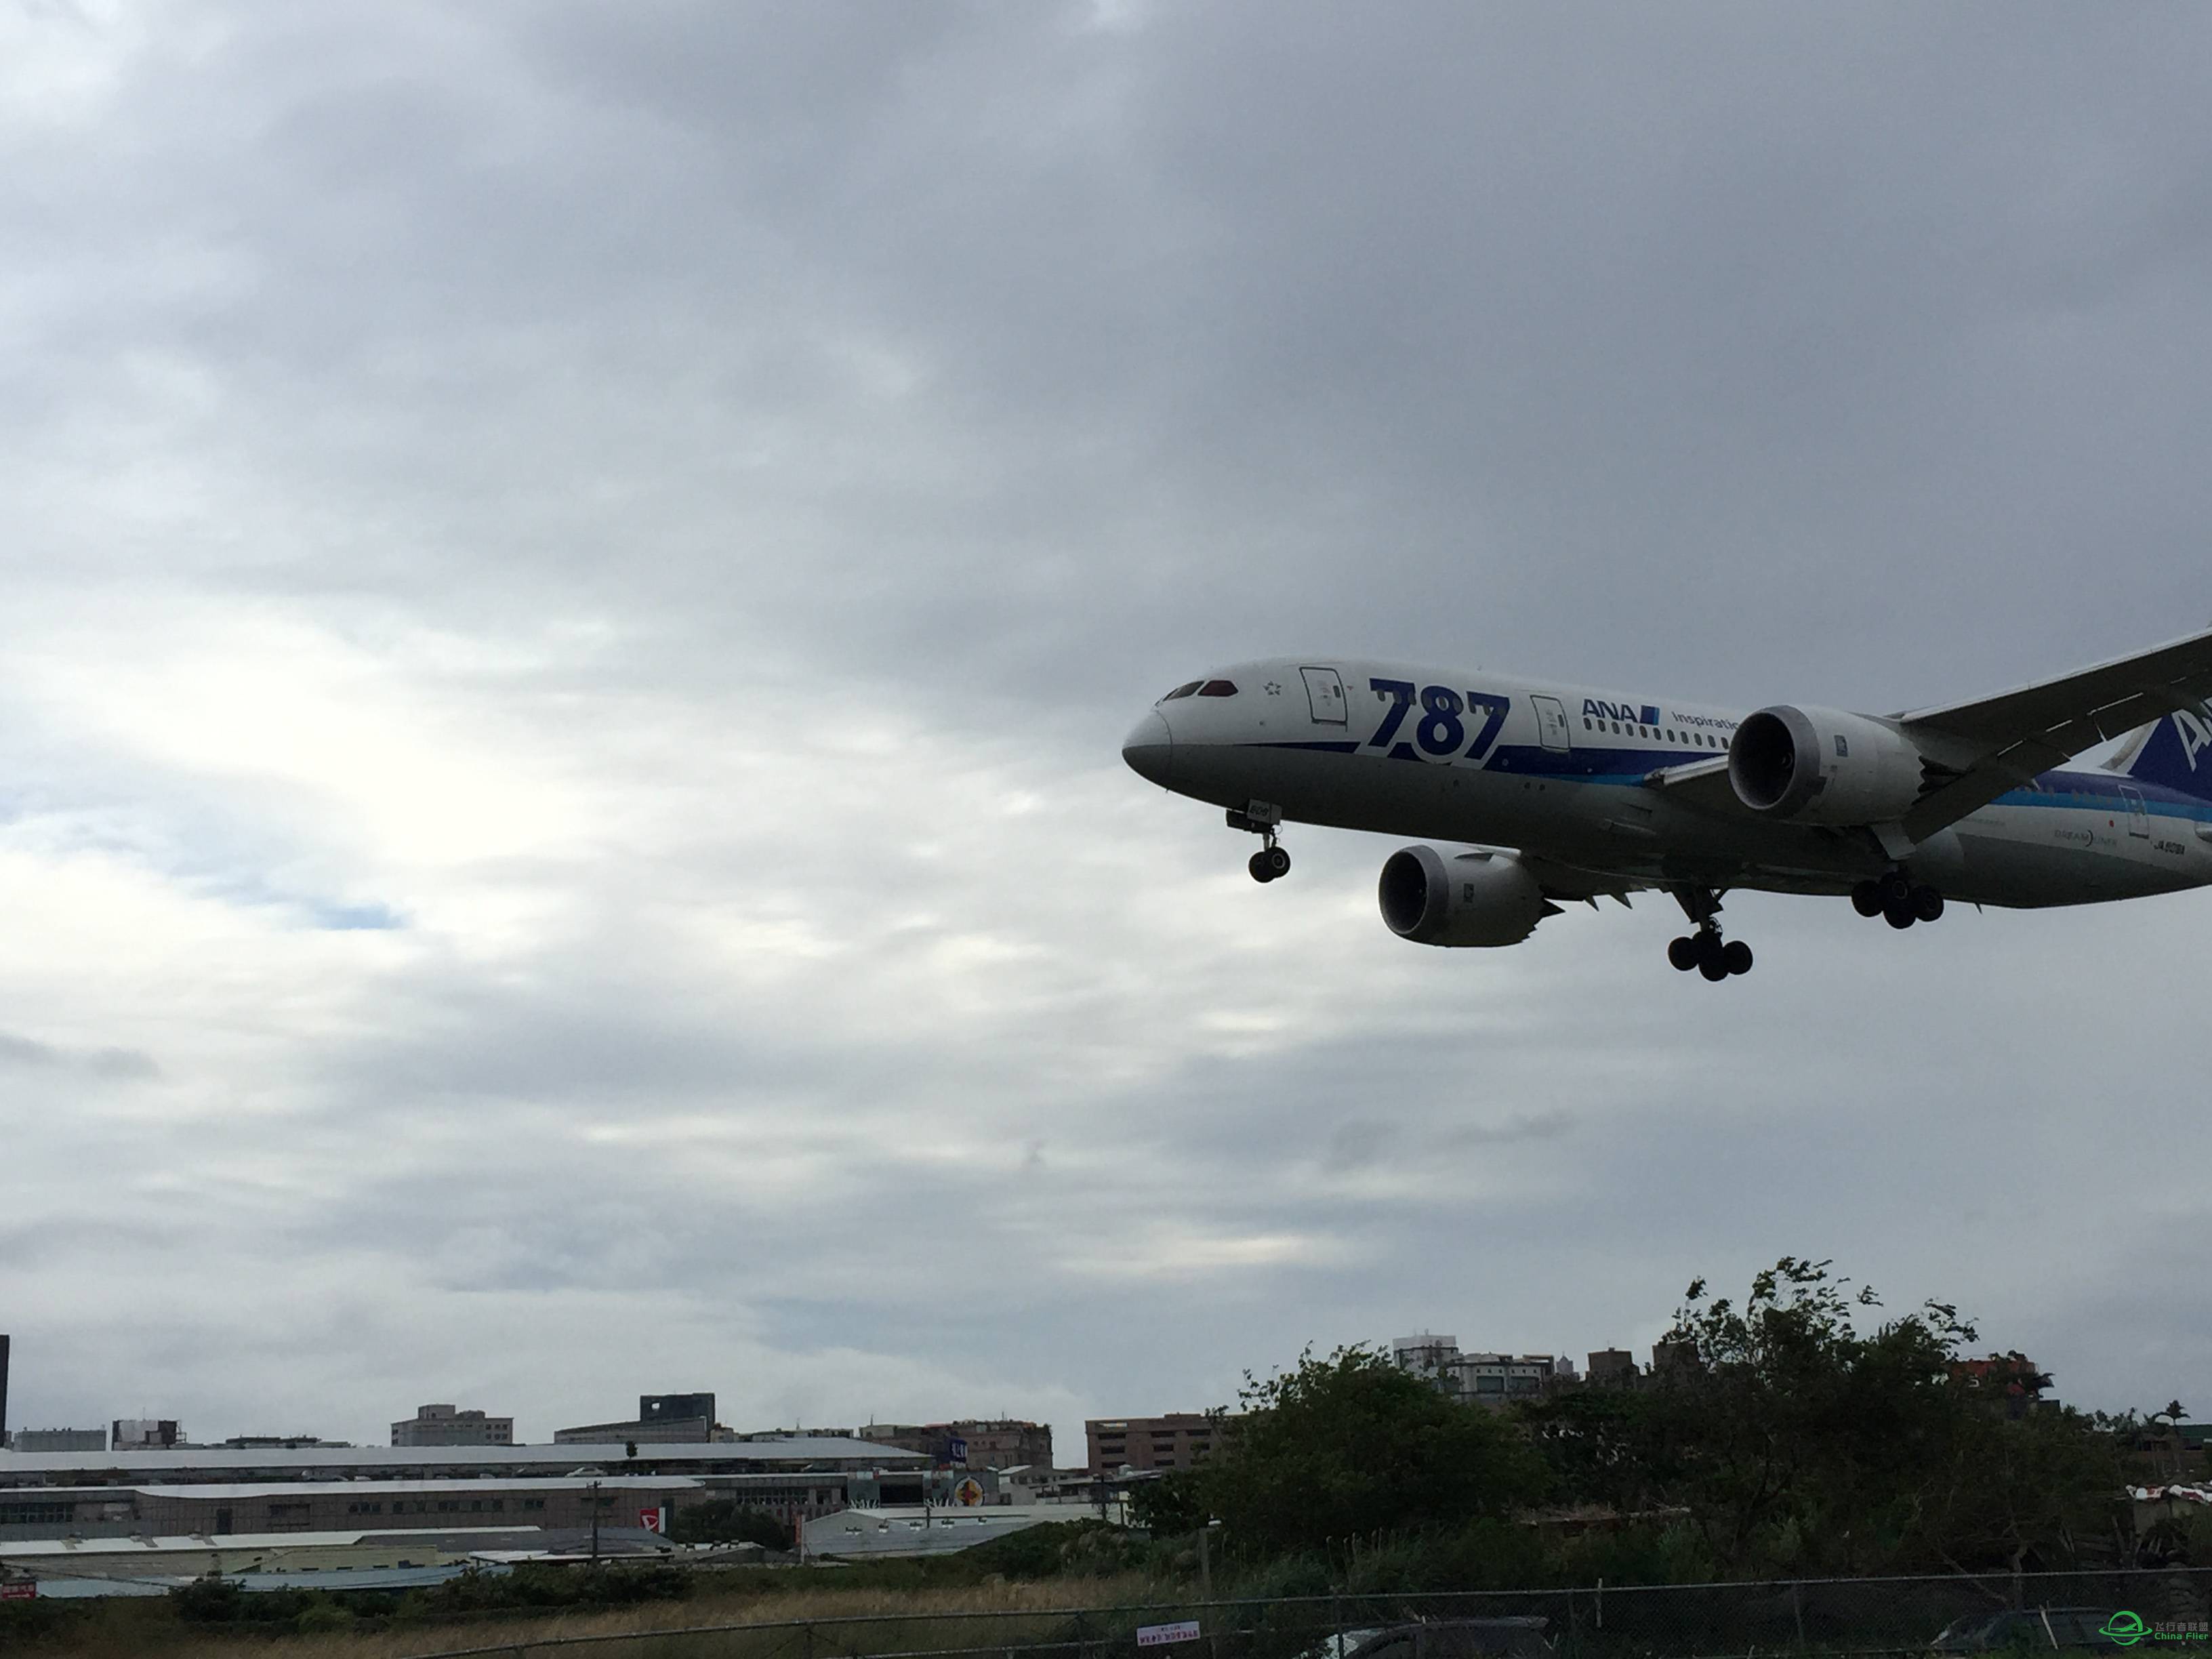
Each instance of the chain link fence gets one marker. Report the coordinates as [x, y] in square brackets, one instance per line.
[1843, 1616]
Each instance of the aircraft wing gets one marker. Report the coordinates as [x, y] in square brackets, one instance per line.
[1998, 743]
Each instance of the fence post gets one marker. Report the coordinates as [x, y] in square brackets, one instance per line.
[1601, 1604]
[1797, 1608]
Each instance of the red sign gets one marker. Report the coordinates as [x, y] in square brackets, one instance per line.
[653, 1520]
[22, 1589]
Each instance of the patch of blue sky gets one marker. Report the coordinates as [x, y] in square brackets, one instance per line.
[354, 918]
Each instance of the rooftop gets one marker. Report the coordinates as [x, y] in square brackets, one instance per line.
[296, 1459]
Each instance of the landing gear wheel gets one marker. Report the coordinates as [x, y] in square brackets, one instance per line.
[1866, 899]
[1683, 953]
[1269, 863]
[1736, 957]
[1899, 912]
[1713, 968]
[1896, 889]
[1927, 904]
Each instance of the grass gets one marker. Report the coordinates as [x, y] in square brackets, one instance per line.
[133, 1629]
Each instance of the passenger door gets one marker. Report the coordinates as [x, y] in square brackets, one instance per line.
[2138, 814]
[1325, 696]
[1551, 725]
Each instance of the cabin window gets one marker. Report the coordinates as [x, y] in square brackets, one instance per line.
[1217, 689]
[1586, 725]
[1843, 747]
[1182, 691]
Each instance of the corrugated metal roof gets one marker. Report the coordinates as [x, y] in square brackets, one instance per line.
[824, 1449]
[284, 1491]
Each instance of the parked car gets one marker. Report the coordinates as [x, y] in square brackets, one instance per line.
[2021, 1628]
[1459, 1638]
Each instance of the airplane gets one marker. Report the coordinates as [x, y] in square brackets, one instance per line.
[1562, 794]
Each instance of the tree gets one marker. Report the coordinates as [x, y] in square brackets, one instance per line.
[726, 1520]
[1351, 1446]
[1800, 1444]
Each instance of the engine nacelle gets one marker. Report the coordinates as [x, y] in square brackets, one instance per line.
[1823, 766]
[1470, 899]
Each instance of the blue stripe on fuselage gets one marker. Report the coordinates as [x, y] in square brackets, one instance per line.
[2060, 791]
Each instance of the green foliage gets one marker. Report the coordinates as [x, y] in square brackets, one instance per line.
[726, 1520]
[1351, 1446]
[209, 1599]
[536, 1585]
[1088, 1548]
[1796, 1443]
[1172, 1503]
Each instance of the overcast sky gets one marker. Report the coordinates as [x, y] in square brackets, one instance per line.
[575, 576]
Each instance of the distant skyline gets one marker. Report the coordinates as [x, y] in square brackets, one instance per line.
[574, 576]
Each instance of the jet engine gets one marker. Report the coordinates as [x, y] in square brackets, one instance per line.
[1470, 898]
[1823, 766]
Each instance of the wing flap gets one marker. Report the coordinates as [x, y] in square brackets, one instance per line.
[2106, 701]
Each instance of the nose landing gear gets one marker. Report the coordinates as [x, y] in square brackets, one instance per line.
[1899, 900]
[1705, 950]
[1260, 818]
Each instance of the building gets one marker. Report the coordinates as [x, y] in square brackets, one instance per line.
[916, 1531]
[445, 1425]
[287, 1442]
[58, 1440]
[1611, 1366]
[656, 1408]
[668, 1419]
[975, 1442]
[1488, 1379]
[116, 1494]
[145, 1434]
[1177, 1440]
[1427, 1355]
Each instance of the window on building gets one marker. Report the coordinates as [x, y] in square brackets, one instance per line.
[35, 1515]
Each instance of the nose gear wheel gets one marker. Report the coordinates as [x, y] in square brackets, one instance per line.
[1260, 818]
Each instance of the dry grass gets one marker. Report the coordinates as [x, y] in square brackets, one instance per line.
[755, 1604]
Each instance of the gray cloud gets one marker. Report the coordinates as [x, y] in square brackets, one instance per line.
[129, 1064]
[578, 574]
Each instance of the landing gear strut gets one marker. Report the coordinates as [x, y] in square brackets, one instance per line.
[1899, 900]
[1705, 950]
[1260, 818]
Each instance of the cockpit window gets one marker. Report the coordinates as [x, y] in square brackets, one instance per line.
[1217, 689]
[1182, 691]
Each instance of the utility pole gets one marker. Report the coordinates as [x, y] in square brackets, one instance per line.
[595, 1523]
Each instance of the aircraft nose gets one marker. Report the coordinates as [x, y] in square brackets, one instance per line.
[1149, 749]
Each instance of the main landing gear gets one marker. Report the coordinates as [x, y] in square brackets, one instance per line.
[1260, 818]
[1704, 950]
[1899, 900]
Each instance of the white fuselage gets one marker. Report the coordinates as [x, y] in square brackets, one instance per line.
[1562, 771]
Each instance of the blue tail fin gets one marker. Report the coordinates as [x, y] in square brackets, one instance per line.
[2176, 752]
